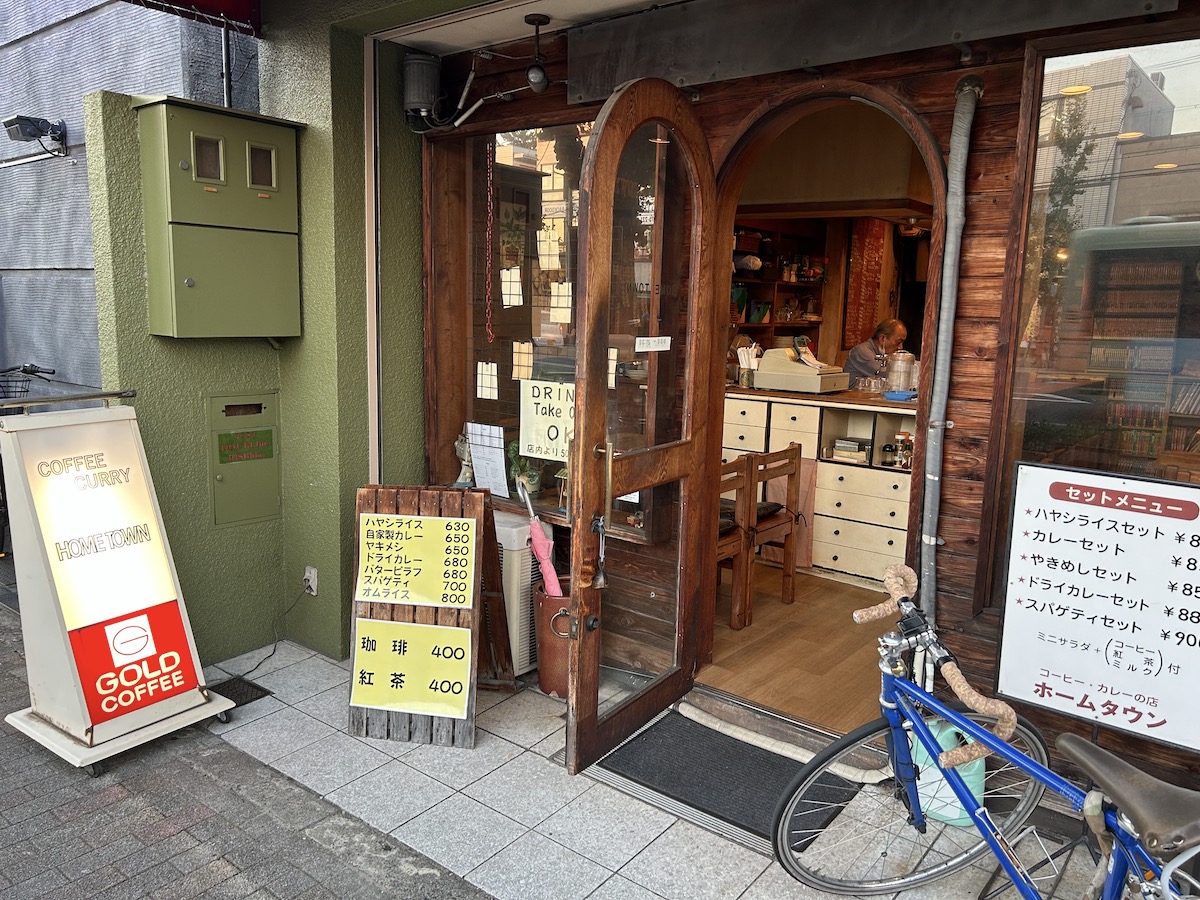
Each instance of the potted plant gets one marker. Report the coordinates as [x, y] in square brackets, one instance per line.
[521, 469]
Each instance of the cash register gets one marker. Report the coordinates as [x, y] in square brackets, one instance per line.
[796, 369]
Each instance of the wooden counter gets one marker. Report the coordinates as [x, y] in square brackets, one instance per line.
[851, 399]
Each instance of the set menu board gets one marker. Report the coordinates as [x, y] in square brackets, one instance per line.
[1102, 610]
[408, 666]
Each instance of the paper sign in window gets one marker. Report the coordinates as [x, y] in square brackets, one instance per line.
[486, 381]
[560, 303]
[487, 457]
[511, 288]
[548, 253]
[522, 360]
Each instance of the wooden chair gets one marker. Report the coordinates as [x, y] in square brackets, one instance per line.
[733, 531]
[769, 524]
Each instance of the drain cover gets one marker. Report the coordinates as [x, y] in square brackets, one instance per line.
[240, 691]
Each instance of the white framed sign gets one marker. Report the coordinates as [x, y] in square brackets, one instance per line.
[1102, 606]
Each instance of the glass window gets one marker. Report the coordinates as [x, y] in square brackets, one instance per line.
[208, 158]
[523, 282]
[1107, 374]
[260, 160]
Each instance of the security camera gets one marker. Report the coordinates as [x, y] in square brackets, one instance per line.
[27, 128]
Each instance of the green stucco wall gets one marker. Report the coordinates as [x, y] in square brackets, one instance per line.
[232, 578]
[238, 581]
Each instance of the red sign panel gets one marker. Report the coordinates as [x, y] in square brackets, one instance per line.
[1125, 501]
[133, 661]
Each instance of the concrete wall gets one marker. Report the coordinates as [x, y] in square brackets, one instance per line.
[52, 53]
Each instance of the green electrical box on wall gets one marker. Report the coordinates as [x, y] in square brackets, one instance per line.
[219, 194]
[244, 457]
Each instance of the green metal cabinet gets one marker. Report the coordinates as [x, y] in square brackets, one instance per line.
[244, 457]
[219, 193]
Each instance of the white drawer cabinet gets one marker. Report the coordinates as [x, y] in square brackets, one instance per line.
[744, 438]
[794, 423]
[861, 535]
[851, 560]
[746, 412]
[861, 507]
[744, 429]
[860, 516]
[861, 480]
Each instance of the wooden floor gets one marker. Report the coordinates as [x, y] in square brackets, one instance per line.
[807, 659]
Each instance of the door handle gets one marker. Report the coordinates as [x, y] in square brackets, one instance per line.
[590, 623]
[600, 523]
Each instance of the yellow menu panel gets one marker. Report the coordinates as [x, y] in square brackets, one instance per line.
[419, 560]
[406, 667]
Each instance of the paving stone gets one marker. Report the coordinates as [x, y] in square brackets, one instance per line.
[236, 888]
[44, 885]
[155, 854]
[90, 885]
[197, 881]
[100, 857]
[285, 880]
[144, 883]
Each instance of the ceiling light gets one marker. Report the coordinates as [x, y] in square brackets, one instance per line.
[1166, 165]
[535, 75]
[1075, 90]
[1129, 135]
[1062, 255]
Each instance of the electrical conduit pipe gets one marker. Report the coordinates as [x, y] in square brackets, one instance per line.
[967, 95]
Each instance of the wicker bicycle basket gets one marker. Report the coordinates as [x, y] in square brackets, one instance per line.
[14, 384]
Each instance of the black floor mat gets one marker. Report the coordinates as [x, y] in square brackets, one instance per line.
[240, 691]
[734, 781]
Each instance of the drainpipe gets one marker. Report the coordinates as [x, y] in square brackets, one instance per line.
[968, 92]
[226, 75]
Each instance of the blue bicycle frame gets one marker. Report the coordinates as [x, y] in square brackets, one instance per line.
[900, 699]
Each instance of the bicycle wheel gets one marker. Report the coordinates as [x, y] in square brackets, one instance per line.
[843, 824]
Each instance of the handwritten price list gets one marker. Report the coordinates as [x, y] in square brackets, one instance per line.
[419, 560]
[1102, 611]
[402, 666]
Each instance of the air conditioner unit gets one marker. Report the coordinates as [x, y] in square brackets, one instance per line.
[519, 572]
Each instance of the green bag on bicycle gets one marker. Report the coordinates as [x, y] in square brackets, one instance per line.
[937, 797]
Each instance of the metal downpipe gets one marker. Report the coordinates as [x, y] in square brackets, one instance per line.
[967, 93]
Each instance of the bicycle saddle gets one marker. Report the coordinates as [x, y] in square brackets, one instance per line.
[1166, 817]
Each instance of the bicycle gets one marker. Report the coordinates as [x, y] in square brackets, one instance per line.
[850, 825]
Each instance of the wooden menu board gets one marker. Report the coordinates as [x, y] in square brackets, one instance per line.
[1102, 607]
[415, 636]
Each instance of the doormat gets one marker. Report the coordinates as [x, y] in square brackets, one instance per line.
[240, 691]
[728, 779]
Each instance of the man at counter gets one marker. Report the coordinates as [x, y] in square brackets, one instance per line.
[869, 359]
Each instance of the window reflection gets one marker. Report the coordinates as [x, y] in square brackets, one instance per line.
[1109, 354]
[524, 282]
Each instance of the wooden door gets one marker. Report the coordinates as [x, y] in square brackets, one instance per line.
[645, 458]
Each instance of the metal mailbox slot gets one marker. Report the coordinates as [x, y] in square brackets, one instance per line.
[244, 457]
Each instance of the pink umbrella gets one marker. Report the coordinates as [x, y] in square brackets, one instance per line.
[543, 547]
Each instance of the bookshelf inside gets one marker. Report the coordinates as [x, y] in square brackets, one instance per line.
[784, 297]
[1145, 342]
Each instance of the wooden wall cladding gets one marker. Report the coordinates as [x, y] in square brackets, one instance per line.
[737, 111]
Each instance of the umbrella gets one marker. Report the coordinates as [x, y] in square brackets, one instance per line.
[542, 547]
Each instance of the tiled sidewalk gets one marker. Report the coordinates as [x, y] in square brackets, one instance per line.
[185, 816]
[502, 815]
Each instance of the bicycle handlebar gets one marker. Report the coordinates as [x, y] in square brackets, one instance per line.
[901, 584]
[27, 369]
